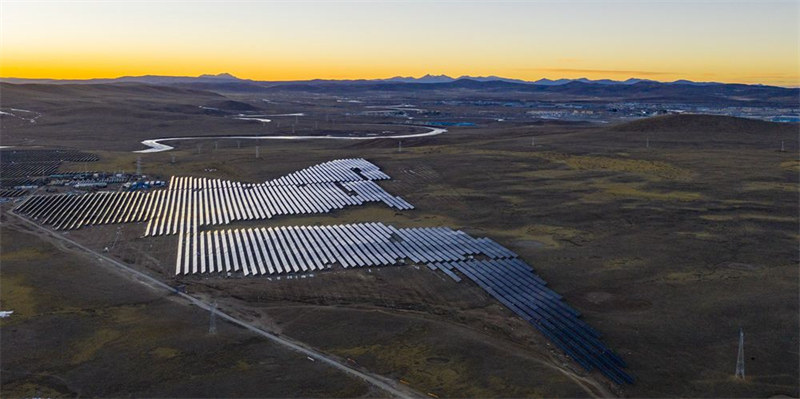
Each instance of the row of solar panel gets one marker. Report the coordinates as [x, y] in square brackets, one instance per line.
[72, 211]
[338, 170]
[26, 169]
[12, 192]
[513, 283]
[189, 202]
[15, 155]
[296, 249]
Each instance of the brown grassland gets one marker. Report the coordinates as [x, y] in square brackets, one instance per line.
[667, 250]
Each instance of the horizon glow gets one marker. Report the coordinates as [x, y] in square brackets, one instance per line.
[736, 42]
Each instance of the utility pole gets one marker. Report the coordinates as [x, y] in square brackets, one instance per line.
[399, 146]
[212, 321]
[257, 154]
[138, 166]
[648, 142]
[116, 238]
[740, 358]
[238, 143]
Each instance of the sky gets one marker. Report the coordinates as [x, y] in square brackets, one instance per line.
[741, 41]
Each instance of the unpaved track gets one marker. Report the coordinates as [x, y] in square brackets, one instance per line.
[68, 244]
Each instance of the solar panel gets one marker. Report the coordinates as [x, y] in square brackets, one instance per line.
[502, 274]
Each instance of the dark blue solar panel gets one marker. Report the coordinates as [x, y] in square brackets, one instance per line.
[515, 285]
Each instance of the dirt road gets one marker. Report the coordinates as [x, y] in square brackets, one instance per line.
[140, 277]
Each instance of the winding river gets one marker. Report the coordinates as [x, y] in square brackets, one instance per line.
[157, 145]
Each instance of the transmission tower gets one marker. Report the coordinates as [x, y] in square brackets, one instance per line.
[116, 237]
[740, 358]
[212, 321]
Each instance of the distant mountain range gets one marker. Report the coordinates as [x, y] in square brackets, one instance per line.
[543, 82]
[228, 78]
[146, 79]
[495, 87]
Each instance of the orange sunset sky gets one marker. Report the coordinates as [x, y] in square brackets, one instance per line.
[747, 42]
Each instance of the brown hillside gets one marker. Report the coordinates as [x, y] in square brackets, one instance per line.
[706, 124]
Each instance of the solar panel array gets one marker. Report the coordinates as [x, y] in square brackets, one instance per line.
[293, 249]
[515, 285]
[189, 202]
[14, 155]
[307, 249]
[73, 211]
[341, 170]
[16, 163]
[11, 192]
[26, 169]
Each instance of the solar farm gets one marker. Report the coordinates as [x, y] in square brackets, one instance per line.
[504, 257]
[190, 202]
[192, 207]
[35, 163]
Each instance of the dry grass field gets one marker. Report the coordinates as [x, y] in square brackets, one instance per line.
[666, 249]
[79, 329]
